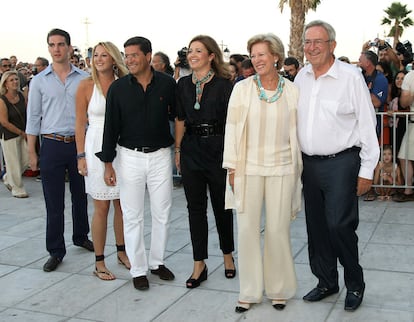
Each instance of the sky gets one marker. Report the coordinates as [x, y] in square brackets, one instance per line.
[170, 25]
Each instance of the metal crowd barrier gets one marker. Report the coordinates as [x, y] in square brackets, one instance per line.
[388, 135]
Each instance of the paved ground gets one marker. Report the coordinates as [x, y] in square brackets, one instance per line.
[72, 293]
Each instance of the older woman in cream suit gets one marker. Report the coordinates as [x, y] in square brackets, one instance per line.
[263, 161]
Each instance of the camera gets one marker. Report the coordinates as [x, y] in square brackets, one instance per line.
[373, 43]
[182, 58]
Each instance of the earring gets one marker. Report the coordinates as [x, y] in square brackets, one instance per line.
[275, 64]
[115, 69]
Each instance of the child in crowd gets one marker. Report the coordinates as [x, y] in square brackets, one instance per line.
[387, 174]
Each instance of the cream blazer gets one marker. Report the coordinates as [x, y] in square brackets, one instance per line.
[234, 156]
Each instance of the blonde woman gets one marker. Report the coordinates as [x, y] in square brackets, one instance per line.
[12, 133]
[107, 65]
[263, 161]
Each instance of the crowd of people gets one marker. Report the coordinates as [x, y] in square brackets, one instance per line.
[259, 132]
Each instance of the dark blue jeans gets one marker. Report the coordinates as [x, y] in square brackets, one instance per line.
[55, 158]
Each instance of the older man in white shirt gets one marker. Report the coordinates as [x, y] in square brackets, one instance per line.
[336, 129]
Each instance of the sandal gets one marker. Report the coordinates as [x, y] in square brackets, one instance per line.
[126, 263]
[242, 307]
[402, 197]
[104, 275]
[370, 197]
[230, 273]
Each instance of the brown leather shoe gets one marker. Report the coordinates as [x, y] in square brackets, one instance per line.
[141, 283]
[163, 272]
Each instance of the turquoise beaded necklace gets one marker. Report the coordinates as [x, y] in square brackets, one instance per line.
[261, 91]
[198, 83]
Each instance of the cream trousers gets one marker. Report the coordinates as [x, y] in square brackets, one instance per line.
[274, 271]
[17, 161]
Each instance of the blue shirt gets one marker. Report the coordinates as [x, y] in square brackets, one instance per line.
[51, 105]
[378, 85]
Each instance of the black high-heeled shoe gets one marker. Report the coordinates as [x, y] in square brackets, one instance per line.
[195, 282]
[230, 273]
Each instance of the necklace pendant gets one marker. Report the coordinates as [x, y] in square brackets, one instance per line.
[197, 106]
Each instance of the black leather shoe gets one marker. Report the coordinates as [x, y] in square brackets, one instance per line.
[141, 283]
[87, 244]
[242, 307]
[353, 299]
[318, 293]
[51, 264]
[163, 272]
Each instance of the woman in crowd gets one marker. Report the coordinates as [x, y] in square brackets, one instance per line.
[263, 161]
[202, 99]
[395, 106]
[107, 65]
[12, 133]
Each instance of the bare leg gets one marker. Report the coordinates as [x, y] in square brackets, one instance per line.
[99, 227]
[408, 175]
[119, 234]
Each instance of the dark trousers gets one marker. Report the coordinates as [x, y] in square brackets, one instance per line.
[55, 158]
[195, 184]
[331, 207]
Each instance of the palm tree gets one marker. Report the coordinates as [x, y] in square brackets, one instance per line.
[397, 17]
[298, 11]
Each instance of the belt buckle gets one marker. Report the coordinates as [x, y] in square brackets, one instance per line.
[331, 156]
[67, 139]
[145, 149]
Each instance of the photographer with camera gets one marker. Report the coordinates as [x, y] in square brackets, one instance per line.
[385, 53]
[182, 68]
[291, 68]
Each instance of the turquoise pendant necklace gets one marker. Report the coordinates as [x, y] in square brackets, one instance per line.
[198, 83]
[261, 91]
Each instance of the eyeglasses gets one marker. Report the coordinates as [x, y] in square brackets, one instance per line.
[315, 42]
[6, 65]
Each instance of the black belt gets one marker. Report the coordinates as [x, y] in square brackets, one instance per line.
[144, 149]
[61, 138]
[205, 129]
[332, 156]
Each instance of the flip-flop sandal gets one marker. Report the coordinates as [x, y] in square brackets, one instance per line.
[370, 198]
[104, 275]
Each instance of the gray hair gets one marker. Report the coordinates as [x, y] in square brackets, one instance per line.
[320, 23]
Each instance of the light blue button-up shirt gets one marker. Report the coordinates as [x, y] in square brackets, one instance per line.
[51, 104]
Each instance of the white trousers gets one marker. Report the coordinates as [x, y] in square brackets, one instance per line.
[17, 161]
[275, 269]
[138, 171]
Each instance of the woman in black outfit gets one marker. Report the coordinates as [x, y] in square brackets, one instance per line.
[202, 99]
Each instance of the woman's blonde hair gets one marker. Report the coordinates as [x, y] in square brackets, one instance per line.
[119, 67]
[3, 89]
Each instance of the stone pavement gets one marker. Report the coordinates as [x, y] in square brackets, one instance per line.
[72, 293]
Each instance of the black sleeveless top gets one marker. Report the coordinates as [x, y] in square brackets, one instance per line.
[17, 116]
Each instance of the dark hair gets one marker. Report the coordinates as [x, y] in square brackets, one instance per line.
[371, 56]
[59, 32]
[143, 43]
[237, 57]
[235, 66]
[386, 67]
[217, 64]
[166, 61]
[291, 61]
[247, 63]
[44, 61]
[395, 91]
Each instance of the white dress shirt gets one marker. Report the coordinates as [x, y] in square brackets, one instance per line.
[335, 112]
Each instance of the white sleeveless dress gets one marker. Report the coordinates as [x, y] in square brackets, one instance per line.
[94, 182]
